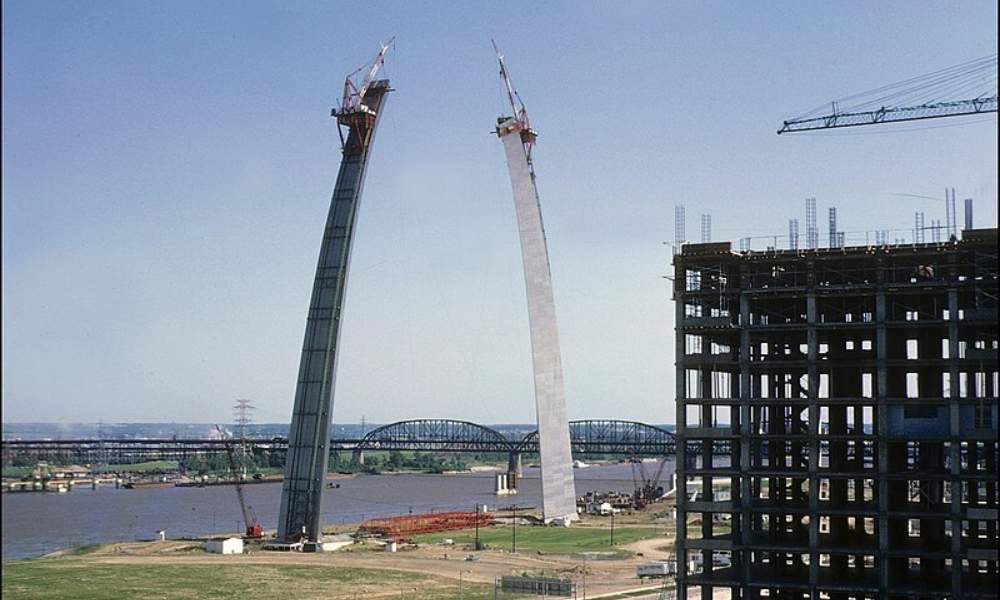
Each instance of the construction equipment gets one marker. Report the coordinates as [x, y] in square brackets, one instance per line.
[649, 488]
[253, 527]
[925, 97]
[354, 93]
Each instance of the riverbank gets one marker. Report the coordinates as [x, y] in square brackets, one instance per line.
[436, 569]
[36, 524]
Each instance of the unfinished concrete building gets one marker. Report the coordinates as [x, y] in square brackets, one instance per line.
[855, 390]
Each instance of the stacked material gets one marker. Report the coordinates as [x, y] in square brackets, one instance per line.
[404, 527]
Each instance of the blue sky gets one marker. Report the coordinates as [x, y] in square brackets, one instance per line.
[167, 169]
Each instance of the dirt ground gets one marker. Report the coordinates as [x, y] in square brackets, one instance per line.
[446, 562]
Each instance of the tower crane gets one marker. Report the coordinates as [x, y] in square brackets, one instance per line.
[930, 96]
[253, 527]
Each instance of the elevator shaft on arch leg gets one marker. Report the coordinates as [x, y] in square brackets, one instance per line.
[309, 434]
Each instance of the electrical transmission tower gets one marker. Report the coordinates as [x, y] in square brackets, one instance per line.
[930, 96]
[242, 416]
[706, 228]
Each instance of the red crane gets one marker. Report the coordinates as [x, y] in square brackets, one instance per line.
[254, 528]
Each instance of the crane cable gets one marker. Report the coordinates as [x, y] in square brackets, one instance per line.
[975, 78]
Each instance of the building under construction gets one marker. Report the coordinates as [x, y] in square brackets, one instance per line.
[857, 387]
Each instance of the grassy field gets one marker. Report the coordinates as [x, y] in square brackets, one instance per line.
[550, 540]
[82, 579]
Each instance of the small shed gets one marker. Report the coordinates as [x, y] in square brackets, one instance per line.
[233, 545]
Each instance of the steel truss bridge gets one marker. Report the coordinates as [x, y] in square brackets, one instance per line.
[587, 437]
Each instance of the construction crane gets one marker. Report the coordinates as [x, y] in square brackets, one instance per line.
[354, 93]
[518, 111]
[353, 113]
[253, 527]
[649, 488]
[930, 96]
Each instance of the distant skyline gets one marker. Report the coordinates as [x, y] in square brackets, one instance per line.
[167, 168]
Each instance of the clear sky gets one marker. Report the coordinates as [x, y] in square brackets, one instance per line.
[167, 169]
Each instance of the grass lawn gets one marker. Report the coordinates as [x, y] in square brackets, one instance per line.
[551, 540]
[84, 579]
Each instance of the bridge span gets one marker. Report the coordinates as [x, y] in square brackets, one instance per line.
[587, 437]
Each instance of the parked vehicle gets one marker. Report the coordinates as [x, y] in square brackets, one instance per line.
[657, 569]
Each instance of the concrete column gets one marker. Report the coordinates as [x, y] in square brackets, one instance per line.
[882, 427]
[812, 375]
[680, 418]
[746, 436]
[955, 454]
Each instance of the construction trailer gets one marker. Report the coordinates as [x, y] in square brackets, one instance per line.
[857, 387]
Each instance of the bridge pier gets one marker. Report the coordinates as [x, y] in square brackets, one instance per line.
[514, 465]
[358, 457]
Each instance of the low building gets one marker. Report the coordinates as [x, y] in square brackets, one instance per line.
[233, 545]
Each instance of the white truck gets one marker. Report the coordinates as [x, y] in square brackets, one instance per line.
[657, 569]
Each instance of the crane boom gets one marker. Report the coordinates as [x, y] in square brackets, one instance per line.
[892, 115]
[253, 527]
[518, 111]
[928, 96]
[354, 94]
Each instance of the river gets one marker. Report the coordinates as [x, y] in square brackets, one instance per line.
[38, 523]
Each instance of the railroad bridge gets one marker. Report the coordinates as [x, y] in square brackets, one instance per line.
[587, 437]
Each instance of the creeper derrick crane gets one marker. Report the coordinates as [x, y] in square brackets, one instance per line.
[519, 113]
